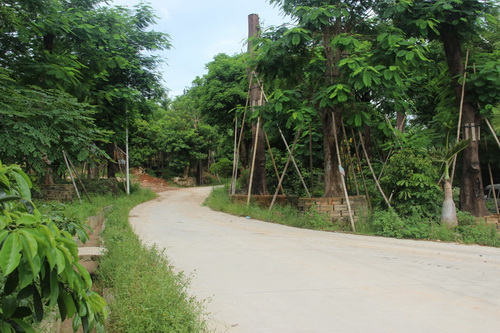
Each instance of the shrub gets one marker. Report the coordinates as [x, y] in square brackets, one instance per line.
[387, 223]
[223, 167]
[412, 177]
[39, 264]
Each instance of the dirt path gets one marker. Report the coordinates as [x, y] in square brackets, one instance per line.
[263, 277]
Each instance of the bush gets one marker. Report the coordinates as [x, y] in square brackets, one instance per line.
[39, 264]
[387, 223]
[223, 168]
[412, 177]
[482, 234]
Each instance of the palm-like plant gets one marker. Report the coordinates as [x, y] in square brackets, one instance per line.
[445, 156]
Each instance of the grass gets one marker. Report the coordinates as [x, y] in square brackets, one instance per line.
[219, 200]
[143, 292]
[381, 223]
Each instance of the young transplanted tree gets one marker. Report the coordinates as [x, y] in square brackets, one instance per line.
[445, 156]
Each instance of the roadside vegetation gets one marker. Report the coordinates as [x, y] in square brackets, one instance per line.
[385, 223]
[143, 292]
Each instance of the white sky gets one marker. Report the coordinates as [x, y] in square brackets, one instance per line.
[201, 29]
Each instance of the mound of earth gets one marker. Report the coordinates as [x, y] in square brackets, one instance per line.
[155, 184]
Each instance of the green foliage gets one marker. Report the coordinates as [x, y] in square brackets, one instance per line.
[37, 125]
[39, 264]
[147, 295]
[412, 179]
[74, 226]
[105, 186]
[387, 223]
[482, 234]
[223, 167]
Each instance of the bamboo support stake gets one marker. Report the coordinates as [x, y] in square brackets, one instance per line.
[311, 157]
[79, 180]
[273, 161]
[492, 182]
[71, 176]
[492, 131]
[237, 154]
[460, 114]
[252, 169]
[373, 172]
[284, 172]
[295, 163]
[353, 226]
[351, 164]
[361, 170]
[235, 161]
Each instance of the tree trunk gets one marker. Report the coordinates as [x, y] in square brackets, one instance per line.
[471, 186]
[259, 185]
[448, 211]
[111, 165]
[333, 180]
[333, 177]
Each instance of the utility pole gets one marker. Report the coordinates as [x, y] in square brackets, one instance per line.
[258, 183]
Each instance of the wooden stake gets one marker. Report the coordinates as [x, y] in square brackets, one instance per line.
[373, 172]
[79, 180]
[460, 113]
[492, 182]
[492, 131]
[295, 163]
[71, 176]
[284, 172]
[311, 157]
[235, 160]
[273, 161]
[368, 199]
[253, 162]
[351, 164]
[353, 226]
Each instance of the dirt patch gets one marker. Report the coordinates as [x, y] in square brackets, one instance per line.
[155, 184]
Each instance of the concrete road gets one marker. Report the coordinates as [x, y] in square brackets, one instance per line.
[263, 277]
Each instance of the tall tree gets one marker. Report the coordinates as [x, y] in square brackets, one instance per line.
[453, 23]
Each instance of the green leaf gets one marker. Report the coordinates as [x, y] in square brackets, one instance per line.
[24, 186]
[9, 306]
[367, 79]
[11, 283]
[22, 311]
[68, 302]
[296, 39]
[26, 220]
[85, 274]
[37, 304]
[6, 198]
[54, 288]
[25, 326]
[10, 255]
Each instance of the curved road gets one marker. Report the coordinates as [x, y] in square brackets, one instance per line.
[263, 277]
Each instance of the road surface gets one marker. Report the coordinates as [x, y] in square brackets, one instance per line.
[263, 277]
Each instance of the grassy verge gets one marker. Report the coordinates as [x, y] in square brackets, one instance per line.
[383, 223]
[219, 200]
[143, 292]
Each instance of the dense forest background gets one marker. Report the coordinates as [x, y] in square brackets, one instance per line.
[382, 84]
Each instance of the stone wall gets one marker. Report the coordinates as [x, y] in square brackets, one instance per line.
[58, 192]
[265, 200]
[336, 208]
